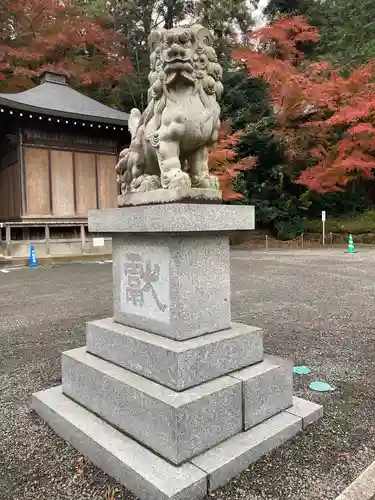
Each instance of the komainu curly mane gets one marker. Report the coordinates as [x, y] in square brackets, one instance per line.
[171, 140]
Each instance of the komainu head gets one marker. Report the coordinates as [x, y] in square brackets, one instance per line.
[184, 55]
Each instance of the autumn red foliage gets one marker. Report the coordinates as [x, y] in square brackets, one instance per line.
[55, 35]
[224, 163]
[325, 118]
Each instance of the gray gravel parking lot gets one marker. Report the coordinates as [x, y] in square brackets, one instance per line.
[316, 307]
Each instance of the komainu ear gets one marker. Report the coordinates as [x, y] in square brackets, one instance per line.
[202, 34]
[155, 38]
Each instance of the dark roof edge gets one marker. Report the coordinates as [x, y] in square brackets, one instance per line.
[62, 114]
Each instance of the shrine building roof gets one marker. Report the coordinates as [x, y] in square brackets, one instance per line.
[54, 97]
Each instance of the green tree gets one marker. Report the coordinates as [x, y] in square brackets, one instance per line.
[224, 17]
[347, 30]
[135, 19]
[276, 8]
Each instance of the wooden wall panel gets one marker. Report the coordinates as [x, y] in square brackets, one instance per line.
[107, 181]
[10, 192]
[62, 183]
[85, 183]
[5, 191]
[17, 190]
[2, 195]
[37, 181]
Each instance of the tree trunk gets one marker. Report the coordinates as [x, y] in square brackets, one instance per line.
[169, 14]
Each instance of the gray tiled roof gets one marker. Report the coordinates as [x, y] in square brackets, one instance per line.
[56, 99]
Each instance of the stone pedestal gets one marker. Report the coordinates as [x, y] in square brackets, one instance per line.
[169, 396]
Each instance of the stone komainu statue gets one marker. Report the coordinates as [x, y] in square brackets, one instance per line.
[171, 140]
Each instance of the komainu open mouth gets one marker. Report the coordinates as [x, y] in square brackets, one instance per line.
[178, 64]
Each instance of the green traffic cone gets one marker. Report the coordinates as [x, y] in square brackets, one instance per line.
[351, 248]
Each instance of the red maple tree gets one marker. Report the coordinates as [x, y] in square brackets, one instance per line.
[225, 164]
[55, 35]
[325, 118]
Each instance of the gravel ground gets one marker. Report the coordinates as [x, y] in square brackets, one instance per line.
[316, 307]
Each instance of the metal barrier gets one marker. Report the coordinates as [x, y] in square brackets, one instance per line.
[308, 241]
[46, 234]
[274, 243]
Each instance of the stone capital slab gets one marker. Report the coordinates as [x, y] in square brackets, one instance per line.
[173, 218]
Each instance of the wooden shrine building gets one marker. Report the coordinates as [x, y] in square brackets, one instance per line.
[58, 151]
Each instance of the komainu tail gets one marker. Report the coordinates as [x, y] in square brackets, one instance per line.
[133, 122]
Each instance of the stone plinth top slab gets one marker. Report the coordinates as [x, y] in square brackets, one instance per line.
[175, 364]
[175, 195]
[173, 218]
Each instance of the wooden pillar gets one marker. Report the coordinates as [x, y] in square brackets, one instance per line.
[97, 182]
[26, 233]
[21, 154]
[83, 238]
[47, 239]
[8, 241]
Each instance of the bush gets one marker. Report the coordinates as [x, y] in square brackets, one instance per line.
[364, 223]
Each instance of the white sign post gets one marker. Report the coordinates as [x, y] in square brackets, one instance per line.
[98, 242]
[324, 226]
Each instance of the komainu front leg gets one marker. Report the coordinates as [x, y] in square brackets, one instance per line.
[171, 174]
[200, 175]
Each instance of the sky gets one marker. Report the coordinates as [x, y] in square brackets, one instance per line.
[257, 14]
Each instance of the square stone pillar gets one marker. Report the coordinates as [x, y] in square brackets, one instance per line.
[175, 285]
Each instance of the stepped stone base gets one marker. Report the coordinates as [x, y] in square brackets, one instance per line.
[175, 364]
[267, 389]
[169, 396]
[147, 475]
[177, 425]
